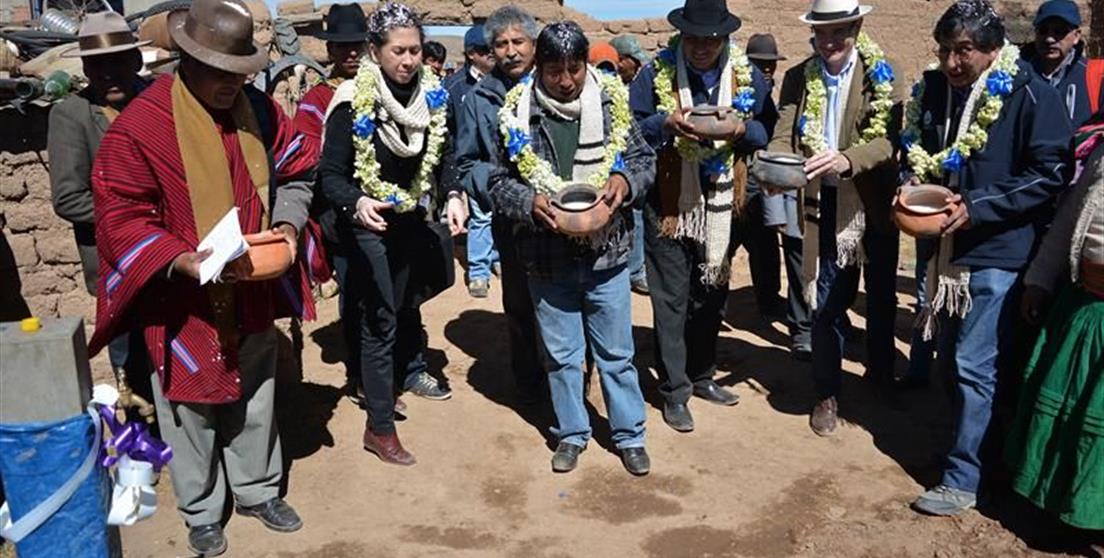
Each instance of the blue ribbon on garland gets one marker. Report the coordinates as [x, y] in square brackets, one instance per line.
[363, 127]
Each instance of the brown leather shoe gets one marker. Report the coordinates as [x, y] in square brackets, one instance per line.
[388, 448]
[823, 421]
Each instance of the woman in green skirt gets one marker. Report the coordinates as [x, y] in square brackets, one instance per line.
[1056, 448]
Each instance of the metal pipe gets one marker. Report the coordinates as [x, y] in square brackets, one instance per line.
[24, 89]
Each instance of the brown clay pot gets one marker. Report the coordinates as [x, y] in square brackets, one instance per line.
[785, 171]
[921, 210]
[579, 210]
[268, 256]
[713, 122]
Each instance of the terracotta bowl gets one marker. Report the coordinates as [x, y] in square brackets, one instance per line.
[713, 122]
[785, 171]
[921, 210]
[579, 210]
[268, 256]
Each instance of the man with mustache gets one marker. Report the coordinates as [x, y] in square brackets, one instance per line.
[512, 35]
[196, 145]
[1058, 56]
[111, 60]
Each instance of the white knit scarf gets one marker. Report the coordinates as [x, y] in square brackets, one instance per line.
[414, 118]
[949, 282]
[587, 109]
[706, 216]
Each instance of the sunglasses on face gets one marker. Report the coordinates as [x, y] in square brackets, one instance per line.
[1057, 30]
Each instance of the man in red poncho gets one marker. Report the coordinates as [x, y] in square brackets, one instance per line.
[193, 146]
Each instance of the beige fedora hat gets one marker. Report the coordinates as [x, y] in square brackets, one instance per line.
[103, 33]
[830, 12]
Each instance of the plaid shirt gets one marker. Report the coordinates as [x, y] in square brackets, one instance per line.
[548, 254]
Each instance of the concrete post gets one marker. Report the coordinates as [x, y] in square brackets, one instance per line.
[44, 374]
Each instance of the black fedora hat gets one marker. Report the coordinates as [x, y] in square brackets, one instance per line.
[704, 18]
[345, 23]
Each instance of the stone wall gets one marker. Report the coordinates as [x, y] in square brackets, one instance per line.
[39, 267]
[901, 27]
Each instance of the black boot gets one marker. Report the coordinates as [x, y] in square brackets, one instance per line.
[276, 514]
[206, 540]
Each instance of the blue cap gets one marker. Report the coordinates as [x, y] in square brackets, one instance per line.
[1065, 10]
[474, 38]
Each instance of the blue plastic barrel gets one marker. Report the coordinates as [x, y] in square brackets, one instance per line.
[35, 460]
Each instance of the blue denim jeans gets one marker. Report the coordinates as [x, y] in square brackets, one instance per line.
[481, 247]
[636, 257]
[837, 288]
[585, 307]
[969, 349]
[921, 352]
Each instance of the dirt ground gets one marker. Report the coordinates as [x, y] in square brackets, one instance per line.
[750, 481]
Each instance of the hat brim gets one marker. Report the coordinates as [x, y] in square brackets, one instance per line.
[236, 64]
[766, 56]
[810, 19]
[1039, 19]
[726, 26]
[343, 37]
[76, 52]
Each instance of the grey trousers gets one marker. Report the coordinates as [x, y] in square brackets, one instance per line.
[240, 436]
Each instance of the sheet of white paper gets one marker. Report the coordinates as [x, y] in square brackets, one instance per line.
[226, 243]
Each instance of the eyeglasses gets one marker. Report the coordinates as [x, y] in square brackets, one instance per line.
[961, 53]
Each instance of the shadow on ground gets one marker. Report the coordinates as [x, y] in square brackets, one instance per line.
[482, 336]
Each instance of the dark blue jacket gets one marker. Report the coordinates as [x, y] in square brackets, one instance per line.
[1008, 186]
[476, 135]
[642, 101]
[1072, 87]
[458, 85]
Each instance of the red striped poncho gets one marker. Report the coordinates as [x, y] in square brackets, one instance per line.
[144, 220]
[310, 121]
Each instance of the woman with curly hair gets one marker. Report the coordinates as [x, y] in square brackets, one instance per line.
[385, 133]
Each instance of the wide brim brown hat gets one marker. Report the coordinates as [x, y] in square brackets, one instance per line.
[219, 33]
[103, 33]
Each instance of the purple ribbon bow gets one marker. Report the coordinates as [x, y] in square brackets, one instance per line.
[132, 440]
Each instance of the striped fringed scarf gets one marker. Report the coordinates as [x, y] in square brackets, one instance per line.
[688, 210]
[950, 283]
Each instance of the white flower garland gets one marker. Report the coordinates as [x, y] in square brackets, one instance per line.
[811, 123]
[666, 90]
[367, 168]
[995, 84]
[537, 172]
